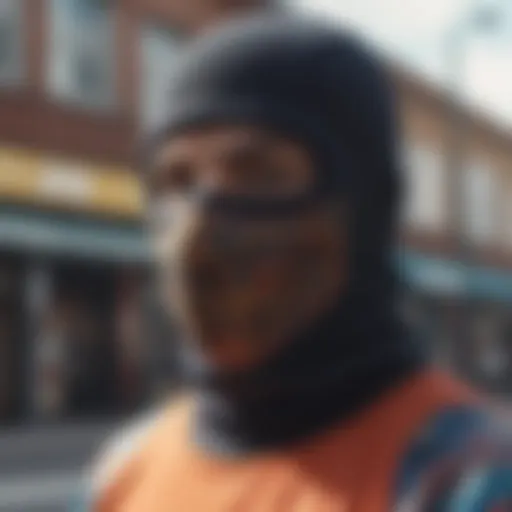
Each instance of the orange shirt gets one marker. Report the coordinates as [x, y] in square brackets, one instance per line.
[350, 468]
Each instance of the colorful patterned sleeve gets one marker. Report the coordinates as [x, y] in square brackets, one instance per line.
[461, 463]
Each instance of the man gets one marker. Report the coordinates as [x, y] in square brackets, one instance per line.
[272, 191]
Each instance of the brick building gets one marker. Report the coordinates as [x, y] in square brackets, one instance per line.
[474, 276]
[78, 79]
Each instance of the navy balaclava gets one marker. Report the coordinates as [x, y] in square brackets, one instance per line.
[318, 85]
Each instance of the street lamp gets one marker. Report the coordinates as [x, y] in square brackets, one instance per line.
[478, 19]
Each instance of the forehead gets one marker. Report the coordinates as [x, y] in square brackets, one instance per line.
[219, 140]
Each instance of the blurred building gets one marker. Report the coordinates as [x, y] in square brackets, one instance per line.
[458, 269]
[78, 79]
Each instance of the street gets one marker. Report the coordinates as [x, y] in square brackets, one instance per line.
[41, 468]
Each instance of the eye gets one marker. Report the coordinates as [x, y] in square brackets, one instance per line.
[175, 178]
[266, 167]
[181, 177]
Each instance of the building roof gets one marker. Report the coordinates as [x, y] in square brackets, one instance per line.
[479, 121]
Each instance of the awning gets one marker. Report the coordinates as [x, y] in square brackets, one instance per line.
[54, 235]
[444, 277]
[44, 233]
[40, 180]
[432, 275]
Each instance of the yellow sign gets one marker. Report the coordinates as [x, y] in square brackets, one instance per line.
[30, 177]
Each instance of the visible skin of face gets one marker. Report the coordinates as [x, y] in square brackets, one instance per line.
[240, 161]
[231, 160]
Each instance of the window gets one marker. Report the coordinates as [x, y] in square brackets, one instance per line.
[426, 190]
[481, 205]
[508, 214]
[11, 42]
[81, 62]
[159, 50]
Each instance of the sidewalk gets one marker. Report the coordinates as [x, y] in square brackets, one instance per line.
[67, 428]
[38, 491]
[41, 467]
[43, 448]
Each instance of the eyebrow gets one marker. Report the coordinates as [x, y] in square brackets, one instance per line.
[256, 143]
[170, 156]
[167, 155]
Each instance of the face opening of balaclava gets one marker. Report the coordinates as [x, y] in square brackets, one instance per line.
[314, 84]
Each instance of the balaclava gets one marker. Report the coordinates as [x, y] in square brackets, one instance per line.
[320, 86]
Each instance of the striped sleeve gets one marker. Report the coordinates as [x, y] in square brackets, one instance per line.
[462, 463]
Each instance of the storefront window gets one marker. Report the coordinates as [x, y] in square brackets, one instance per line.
[74, 368]
[430, 321]
[11, 337]
[50, 379]
[88, 292]
[131, 342]
[507, 344]
[71, 338]
[81, 61]
[485, 352]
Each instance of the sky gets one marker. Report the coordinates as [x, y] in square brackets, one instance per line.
[417, 32]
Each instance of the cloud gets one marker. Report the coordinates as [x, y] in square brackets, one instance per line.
[489, 79]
